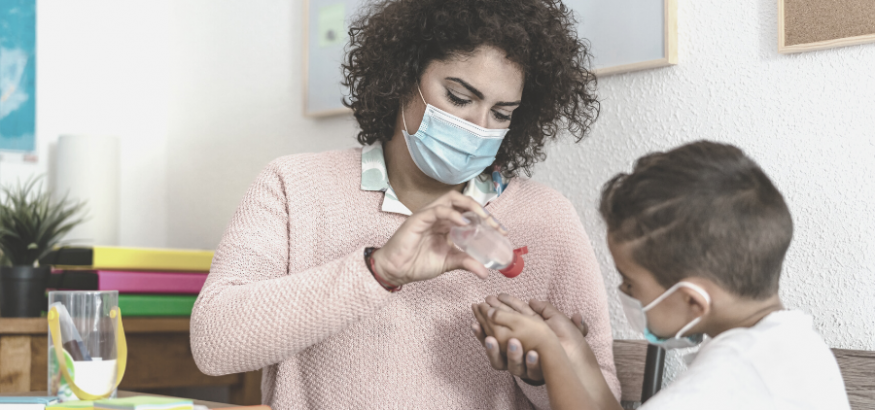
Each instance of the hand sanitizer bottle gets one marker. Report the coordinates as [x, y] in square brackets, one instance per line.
[488, 246]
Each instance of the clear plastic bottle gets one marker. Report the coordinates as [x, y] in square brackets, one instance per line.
[488, 246]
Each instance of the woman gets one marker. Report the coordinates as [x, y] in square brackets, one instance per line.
[336, 276]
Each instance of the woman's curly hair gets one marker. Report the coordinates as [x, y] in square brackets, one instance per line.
[393, 41]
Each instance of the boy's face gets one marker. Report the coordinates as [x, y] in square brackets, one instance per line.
[668, 316]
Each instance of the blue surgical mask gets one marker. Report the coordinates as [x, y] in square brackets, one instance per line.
[450, 149]
[637, 317]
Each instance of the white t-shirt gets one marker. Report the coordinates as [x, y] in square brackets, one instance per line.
[780, 363]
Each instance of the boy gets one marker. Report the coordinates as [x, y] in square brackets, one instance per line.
[698, 235]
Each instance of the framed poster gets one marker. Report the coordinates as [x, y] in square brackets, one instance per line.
[806, 25]
[325, 36]
[625, 35]
[628, 35]
[18, 75]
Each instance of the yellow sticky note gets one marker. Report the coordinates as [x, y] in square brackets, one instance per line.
[332, 25]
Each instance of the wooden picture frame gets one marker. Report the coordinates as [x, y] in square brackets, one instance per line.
[308, 110]
[670, 39]
[808, 25]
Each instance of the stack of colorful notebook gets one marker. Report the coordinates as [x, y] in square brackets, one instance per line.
[150, 282]
[26, 402]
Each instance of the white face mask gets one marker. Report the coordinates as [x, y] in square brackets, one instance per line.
[637, 317]
[448, 148]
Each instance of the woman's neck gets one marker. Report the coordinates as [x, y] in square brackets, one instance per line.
[413, 188]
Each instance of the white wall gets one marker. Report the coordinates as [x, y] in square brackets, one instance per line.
[237, 104]
[205, 93]
[202, 95]
[102, 69]
[807, 119]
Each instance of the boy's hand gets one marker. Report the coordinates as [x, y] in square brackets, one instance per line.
[528, 367]
[572, 331]
[503, 325]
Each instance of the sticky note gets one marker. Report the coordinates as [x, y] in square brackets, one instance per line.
[332, 25]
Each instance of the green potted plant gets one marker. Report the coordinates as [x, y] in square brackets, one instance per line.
[31, 225]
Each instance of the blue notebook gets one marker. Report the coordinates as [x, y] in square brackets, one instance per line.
[28, 399]
[26, 402]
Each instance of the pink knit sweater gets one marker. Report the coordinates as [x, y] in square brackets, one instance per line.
[289, 292]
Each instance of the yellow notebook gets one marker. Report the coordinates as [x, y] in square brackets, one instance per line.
[120, 258]
[72, 405]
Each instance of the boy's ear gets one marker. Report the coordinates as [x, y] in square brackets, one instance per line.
[695, 300]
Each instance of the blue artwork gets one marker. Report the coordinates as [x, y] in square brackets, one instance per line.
[17, 75]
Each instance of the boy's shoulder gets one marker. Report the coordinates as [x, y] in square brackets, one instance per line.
[781, 362]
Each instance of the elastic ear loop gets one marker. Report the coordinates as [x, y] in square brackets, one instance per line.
[121, 348]
[668, 293]
[404, 120]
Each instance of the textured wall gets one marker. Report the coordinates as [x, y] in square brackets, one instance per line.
[236, 104]
[200, 132]
[808, 119]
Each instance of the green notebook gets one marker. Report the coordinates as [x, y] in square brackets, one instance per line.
[144, 403]
[72, 405]
[156, 305]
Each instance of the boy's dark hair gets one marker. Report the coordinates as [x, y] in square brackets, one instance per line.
[703, 209]
[392, 42]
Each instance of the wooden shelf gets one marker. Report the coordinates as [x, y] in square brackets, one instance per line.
[159, 356]
[39, 325]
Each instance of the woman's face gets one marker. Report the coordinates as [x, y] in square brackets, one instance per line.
[483, 88]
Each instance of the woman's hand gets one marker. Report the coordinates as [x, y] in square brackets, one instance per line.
[421, 248]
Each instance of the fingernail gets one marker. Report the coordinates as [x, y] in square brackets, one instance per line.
[502, 227]
[466, 220]
[491, 312]
[476, 328]
[512, 347]
[530, 357]
[489, 345]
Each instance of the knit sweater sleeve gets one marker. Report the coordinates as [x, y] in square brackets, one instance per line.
[578, 286]
[253, 312]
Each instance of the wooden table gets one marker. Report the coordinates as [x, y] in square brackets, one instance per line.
[159, 356]
[122, 394]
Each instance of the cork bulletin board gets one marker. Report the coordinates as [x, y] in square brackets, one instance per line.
[806, 25]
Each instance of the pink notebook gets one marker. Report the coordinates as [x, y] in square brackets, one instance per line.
[133, 282]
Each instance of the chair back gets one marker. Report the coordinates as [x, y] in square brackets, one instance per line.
[858, 371]
[639, 368]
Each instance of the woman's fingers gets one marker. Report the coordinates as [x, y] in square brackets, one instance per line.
[533, 367]
[455, 199]
[478, 332]
[494, 354]
[443, 213]
[493, 351]
[516, 365]
[577, 319]
[482, 321]
[494, 223]
[461, 260]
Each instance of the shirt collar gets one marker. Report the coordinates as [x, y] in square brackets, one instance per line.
[376, 178]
